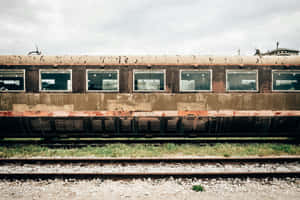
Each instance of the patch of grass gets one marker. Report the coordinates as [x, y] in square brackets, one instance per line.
[152, 150]
[226, 155]
[198, 188]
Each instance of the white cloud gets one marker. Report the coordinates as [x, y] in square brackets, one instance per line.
[147, 27]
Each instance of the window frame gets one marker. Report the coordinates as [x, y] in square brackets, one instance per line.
[24, 79]
[55, 71]
[272, 78]
[102, 70]
[147, 71]
[242, 70]
[196, 70]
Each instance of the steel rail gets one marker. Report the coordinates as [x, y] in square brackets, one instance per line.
[68, 160]
[131, 175]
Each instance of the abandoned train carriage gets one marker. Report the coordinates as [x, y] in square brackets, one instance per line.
[137, 96]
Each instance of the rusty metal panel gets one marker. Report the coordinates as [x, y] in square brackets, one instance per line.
[143, 126]
[264, 79]
[109, 125]
[218, 78]
[201, 125]
[40, 125]
[188, 125]
[171, 125]
[155, 125]
[68, 125]
[126, 125]
[150, 102]
[79, 80]
[11, 125]
[32, 80]
[121, 127]
[97, 125]
[286, 124]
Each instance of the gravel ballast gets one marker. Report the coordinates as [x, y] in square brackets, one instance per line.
[159, 167]
[234, 189]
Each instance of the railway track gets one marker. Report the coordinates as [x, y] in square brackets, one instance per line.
[128, 168]
[94, 143]
[130, 175]
[153, 160]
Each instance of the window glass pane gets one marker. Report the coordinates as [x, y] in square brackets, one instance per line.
[195, 80]
[241, 81]
[149, 81]
[286, 80]
[56, 80]
[107, 80]
[12, 80]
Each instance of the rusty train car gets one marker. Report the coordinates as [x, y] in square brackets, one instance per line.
[149, 96]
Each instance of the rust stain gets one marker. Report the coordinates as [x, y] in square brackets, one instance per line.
[218, 86]
[150, 115]
[193, 113]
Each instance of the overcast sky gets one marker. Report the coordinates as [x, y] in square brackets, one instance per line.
[126, 27]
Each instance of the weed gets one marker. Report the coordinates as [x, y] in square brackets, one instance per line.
[226, 155]
[198, 188]
[171, 146]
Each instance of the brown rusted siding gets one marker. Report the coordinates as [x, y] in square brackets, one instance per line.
[125, 80]
[78, 80]
[32, 80]
[219, 84]
[172, 76]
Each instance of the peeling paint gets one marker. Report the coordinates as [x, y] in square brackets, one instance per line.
[145, 60]
[41, 107]
[149, 101]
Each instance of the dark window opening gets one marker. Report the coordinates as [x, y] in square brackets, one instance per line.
[107, 81]
[149, 81]
[56, 81]
[195, 80]
[12, 80]
[241, 81]
[286, 81]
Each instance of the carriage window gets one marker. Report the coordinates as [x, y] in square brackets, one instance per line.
[12, 80]
[102, 80]
[195, 81]
[149, 80]
[55, 80]
[286, 80]
[241, 81]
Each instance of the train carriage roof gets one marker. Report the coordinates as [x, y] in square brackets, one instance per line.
[148, 60]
